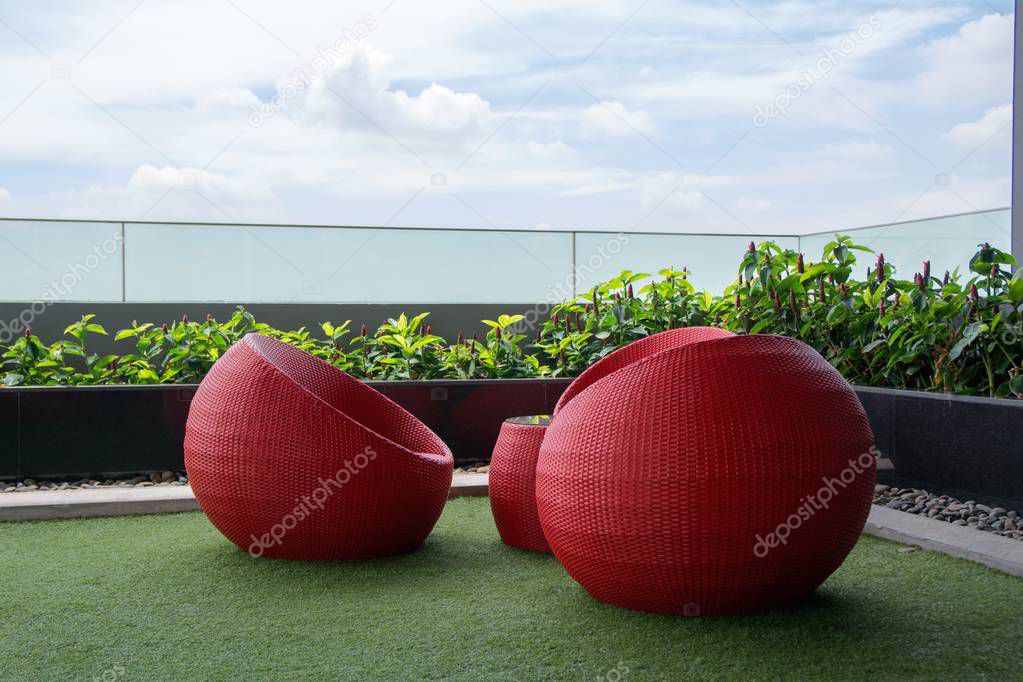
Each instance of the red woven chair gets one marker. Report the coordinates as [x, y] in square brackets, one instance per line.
[512, 482]
[733, 474]
[290, 457]
[637, 350]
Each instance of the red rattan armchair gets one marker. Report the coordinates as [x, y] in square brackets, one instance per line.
[513, 464]
[290, 457]
[732, 474]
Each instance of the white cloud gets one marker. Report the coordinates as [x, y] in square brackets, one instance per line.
[971, 67]
[752, 204]
[368, 101]
[992, 128]
[455, 83]
[227, 98]
[149, 177]
[613, 119]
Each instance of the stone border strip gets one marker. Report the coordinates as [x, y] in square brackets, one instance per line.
[994, 551]
[1000, 553]
[117, 501]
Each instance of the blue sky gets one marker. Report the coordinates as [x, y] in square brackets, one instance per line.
[471, 113]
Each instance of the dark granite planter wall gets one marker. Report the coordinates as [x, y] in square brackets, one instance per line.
[947, 443]
[111, 430]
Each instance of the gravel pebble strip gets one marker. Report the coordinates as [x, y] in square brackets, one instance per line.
[997, 520]
[165, 478]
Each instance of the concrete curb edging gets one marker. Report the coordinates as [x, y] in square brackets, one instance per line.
[991, 550]
[74, 504]
[909, 529]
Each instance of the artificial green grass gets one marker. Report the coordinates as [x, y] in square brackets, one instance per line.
[167, 597]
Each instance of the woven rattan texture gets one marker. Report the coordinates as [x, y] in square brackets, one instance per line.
[656, 482]
[513, 486]
[637, 350]
[281, 443]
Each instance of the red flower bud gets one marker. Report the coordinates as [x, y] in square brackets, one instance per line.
[461, 338]
[927, 271]
[363, 331]
[944, 280]
[184, 319]
[974, 296]
[209, 317]
[843, 290]
[822, 293]
[578, 323]
[497, 333]
[568, 324]
[588, 308]
[429, 330]
[164, 328]
[555, 319]
[629, 291]
[618, 298]
[752, 247]
[881, 306]
[777, 301]
[995, 272]
[792, 303]
[738, 301]
[28, 332]
[800, 266]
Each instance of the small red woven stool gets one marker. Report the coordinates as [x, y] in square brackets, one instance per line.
[290, 457]
[727, 475]
[512, 482]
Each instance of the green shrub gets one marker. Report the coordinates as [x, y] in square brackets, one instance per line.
[927, 333]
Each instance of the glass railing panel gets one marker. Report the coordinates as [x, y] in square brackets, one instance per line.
[948, 242]
[60, 261]
[344, 265]
[713, 260]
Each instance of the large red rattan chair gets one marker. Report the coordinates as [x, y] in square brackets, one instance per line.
[635, 351]
[513, 464]
[290, 457]
[731, 474]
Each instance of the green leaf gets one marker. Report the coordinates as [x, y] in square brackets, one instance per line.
[970, 335]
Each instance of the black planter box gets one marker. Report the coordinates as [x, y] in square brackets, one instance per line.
[115, 430]
[953, 444]
[949, 444]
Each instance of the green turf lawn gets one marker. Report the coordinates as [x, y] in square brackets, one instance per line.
[167, 597]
